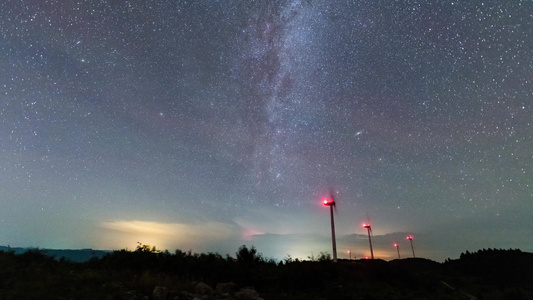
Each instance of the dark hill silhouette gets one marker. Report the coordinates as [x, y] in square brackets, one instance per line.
[416, 264]
[486, 274]
[74, 255]
[495, 267]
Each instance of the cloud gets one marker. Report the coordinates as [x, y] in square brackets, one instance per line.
[124, 233]
[265, 220]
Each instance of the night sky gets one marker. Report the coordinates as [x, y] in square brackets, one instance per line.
[206, 125]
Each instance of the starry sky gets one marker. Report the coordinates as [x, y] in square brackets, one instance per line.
[206, 125]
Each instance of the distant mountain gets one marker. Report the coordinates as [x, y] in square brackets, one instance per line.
[76, 255]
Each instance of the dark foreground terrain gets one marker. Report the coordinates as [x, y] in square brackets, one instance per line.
[149, 274]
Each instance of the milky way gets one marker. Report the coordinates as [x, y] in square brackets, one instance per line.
[205, 125]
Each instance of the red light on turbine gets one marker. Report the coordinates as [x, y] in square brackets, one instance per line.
[395, 245]
[410, 237]
[328, 202]
[366, 225]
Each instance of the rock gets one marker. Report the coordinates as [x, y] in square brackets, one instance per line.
[177, 295]
[247, 293]
[129, 295]
[181, 295]
[203, 289]
[225, 287]
[160, 293]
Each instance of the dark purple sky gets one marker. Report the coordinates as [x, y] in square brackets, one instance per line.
[206, 125]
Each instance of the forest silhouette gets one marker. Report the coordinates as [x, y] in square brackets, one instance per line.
[147, 273]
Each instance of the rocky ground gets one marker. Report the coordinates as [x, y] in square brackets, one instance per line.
[202, 291]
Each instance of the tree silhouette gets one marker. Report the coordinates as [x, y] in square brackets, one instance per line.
[248, 256]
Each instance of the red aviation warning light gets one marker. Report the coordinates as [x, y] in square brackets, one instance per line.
[395, 245]
[329, 202]
[366, 225]
[410, 237]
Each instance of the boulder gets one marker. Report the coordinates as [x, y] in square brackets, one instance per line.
[129, 295]
[160, 293]
[203, 289]
[247, 293]
[225, 287]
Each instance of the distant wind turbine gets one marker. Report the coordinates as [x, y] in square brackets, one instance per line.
[410, 238]
[397, 249]
[331, 203]
[369, 228]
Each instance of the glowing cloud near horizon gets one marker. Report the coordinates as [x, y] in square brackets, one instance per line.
[164, 235]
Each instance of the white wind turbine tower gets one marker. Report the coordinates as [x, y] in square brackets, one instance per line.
[330, 201]
[369, 228]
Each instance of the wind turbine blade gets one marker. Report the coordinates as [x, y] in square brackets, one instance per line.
[370, 224]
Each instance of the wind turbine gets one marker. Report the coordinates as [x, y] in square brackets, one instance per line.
[331, 203]
[397, 249]
[410, 238]
[369, 228]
